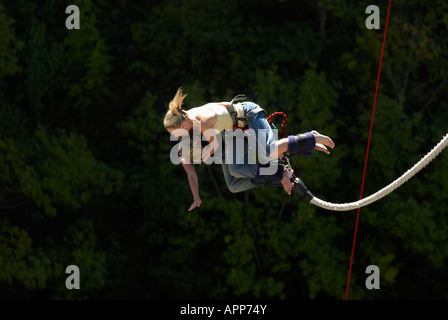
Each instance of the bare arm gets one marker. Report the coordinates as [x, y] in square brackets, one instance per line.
[194, 185]
[206, 125]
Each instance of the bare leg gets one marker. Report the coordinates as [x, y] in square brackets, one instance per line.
[280, 149]
[321, 142]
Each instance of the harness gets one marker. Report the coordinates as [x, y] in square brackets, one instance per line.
[234, 115]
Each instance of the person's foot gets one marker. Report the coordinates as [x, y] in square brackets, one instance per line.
[322, 141]
[286, 182]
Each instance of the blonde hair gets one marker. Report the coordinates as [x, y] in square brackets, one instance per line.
[174, 116]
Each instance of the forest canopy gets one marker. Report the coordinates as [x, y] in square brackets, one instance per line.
[86, 178]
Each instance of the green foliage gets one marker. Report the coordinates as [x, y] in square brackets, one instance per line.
[89, 64]
[9, 46]
[18, 262]
[56, 171]
[143, 127]
[86, 178]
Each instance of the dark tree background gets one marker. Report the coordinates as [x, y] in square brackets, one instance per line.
[85, 175]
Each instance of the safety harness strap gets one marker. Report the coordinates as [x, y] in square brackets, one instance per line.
[234, 114]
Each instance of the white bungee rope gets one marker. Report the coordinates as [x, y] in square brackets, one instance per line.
[379, 194]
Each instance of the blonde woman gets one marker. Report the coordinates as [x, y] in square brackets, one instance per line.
[225, 115]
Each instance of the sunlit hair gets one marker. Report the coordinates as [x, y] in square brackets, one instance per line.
[175, 115]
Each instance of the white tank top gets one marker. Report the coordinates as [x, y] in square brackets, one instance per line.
[224, 120]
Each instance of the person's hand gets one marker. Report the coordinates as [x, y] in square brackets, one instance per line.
[196, 203]
[322, 142]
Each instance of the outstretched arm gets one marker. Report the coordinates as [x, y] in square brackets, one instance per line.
[194, 186]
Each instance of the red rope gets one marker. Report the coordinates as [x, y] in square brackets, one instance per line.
[283, 123]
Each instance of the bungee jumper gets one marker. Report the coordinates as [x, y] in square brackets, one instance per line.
[244, 175]
[245, 115]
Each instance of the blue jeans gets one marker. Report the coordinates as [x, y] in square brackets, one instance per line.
[238, 176]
